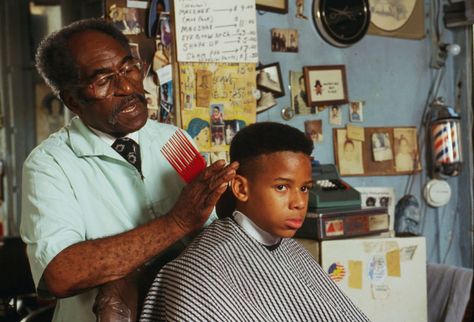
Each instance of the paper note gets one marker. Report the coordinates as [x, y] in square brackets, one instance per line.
[355, 274]
[406, 253]
[216, 30]
[355, 132]
[204, 87]
[393, 262]
[137, 4]
[377, 269]
[380, 291]
[165, 74]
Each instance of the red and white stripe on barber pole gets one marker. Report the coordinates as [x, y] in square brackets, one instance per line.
[446, 147]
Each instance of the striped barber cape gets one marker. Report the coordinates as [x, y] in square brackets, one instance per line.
[225, 275]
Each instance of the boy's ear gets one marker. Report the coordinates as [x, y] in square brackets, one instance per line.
[239, 187]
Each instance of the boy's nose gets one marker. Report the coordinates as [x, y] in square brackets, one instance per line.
[299, 200]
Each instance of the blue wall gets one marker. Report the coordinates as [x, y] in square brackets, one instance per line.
[393, 77]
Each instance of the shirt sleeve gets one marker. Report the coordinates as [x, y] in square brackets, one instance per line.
[51, 216]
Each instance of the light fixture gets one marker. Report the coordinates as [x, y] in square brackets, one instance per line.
[442, 53]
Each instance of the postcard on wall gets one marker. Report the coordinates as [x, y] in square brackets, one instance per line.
[379, 197]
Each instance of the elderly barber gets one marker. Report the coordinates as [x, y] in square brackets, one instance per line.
[89, 216]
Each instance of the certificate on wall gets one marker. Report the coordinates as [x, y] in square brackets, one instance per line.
[222, 31]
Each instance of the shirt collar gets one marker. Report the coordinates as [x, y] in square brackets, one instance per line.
[109, 139]
[254, 231]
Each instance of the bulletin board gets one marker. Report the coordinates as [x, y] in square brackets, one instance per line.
[217, 100]
[216, 53]
[383, 151]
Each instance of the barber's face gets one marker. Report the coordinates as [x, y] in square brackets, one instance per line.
[124, 110]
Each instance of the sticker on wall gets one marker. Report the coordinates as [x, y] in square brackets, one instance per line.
[336, 272]
[380, 292]
[393, 262]
[355, 274]
[377, 269]
[334, 228]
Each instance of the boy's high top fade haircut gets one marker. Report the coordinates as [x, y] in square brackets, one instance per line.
[265, 138]
[254, 141]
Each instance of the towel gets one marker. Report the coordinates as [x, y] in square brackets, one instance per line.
[449, 288]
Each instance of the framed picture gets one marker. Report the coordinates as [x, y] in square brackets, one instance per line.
[269, 79]
[279, 6]
[314, 130]
[326, 85]
[400, 19]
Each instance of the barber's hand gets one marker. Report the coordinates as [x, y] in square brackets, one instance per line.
[198, 198]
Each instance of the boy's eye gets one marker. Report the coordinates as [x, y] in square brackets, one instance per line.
[280, 187]
[305, 188]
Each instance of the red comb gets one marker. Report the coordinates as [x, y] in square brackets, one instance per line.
[183, 156]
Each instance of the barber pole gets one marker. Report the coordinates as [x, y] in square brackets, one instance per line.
[445, 138]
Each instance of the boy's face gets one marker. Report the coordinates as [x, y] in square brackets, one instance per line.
[275, 195]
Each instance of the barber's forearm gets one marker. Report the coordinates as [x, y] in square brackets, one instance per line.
[91, 263]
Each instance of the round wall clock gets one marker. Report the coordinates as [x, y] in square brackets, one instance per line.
[341, 22]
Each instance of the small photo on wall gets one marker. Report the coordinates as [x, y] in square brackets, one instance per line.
[188, 102]
[381, 147]
[406, 149]
[356, 111]
[135, 49]
[217, 135]
[166, 103]
[285, 40]
[127, 20]
[335, 115]
[348, 154]
[230, 128]
[314, 130]
[217, 114]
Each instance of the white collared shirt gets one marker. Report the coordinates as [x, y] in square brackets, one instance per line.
[109, 139]
[254, 231]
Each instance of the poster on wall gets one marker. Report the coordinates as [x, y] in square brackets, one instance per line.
[217, 100]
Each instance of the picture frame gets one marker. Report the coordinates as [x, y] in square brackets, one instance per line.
[269, 79]
[326, 85]
[278, 6]
[398, 155]
[404, 22]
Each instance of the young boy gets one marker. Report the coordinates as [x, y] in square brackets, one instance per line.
[246, 267]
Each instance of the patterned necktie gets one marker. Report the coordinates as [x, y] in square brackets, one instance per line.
[129, 150]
